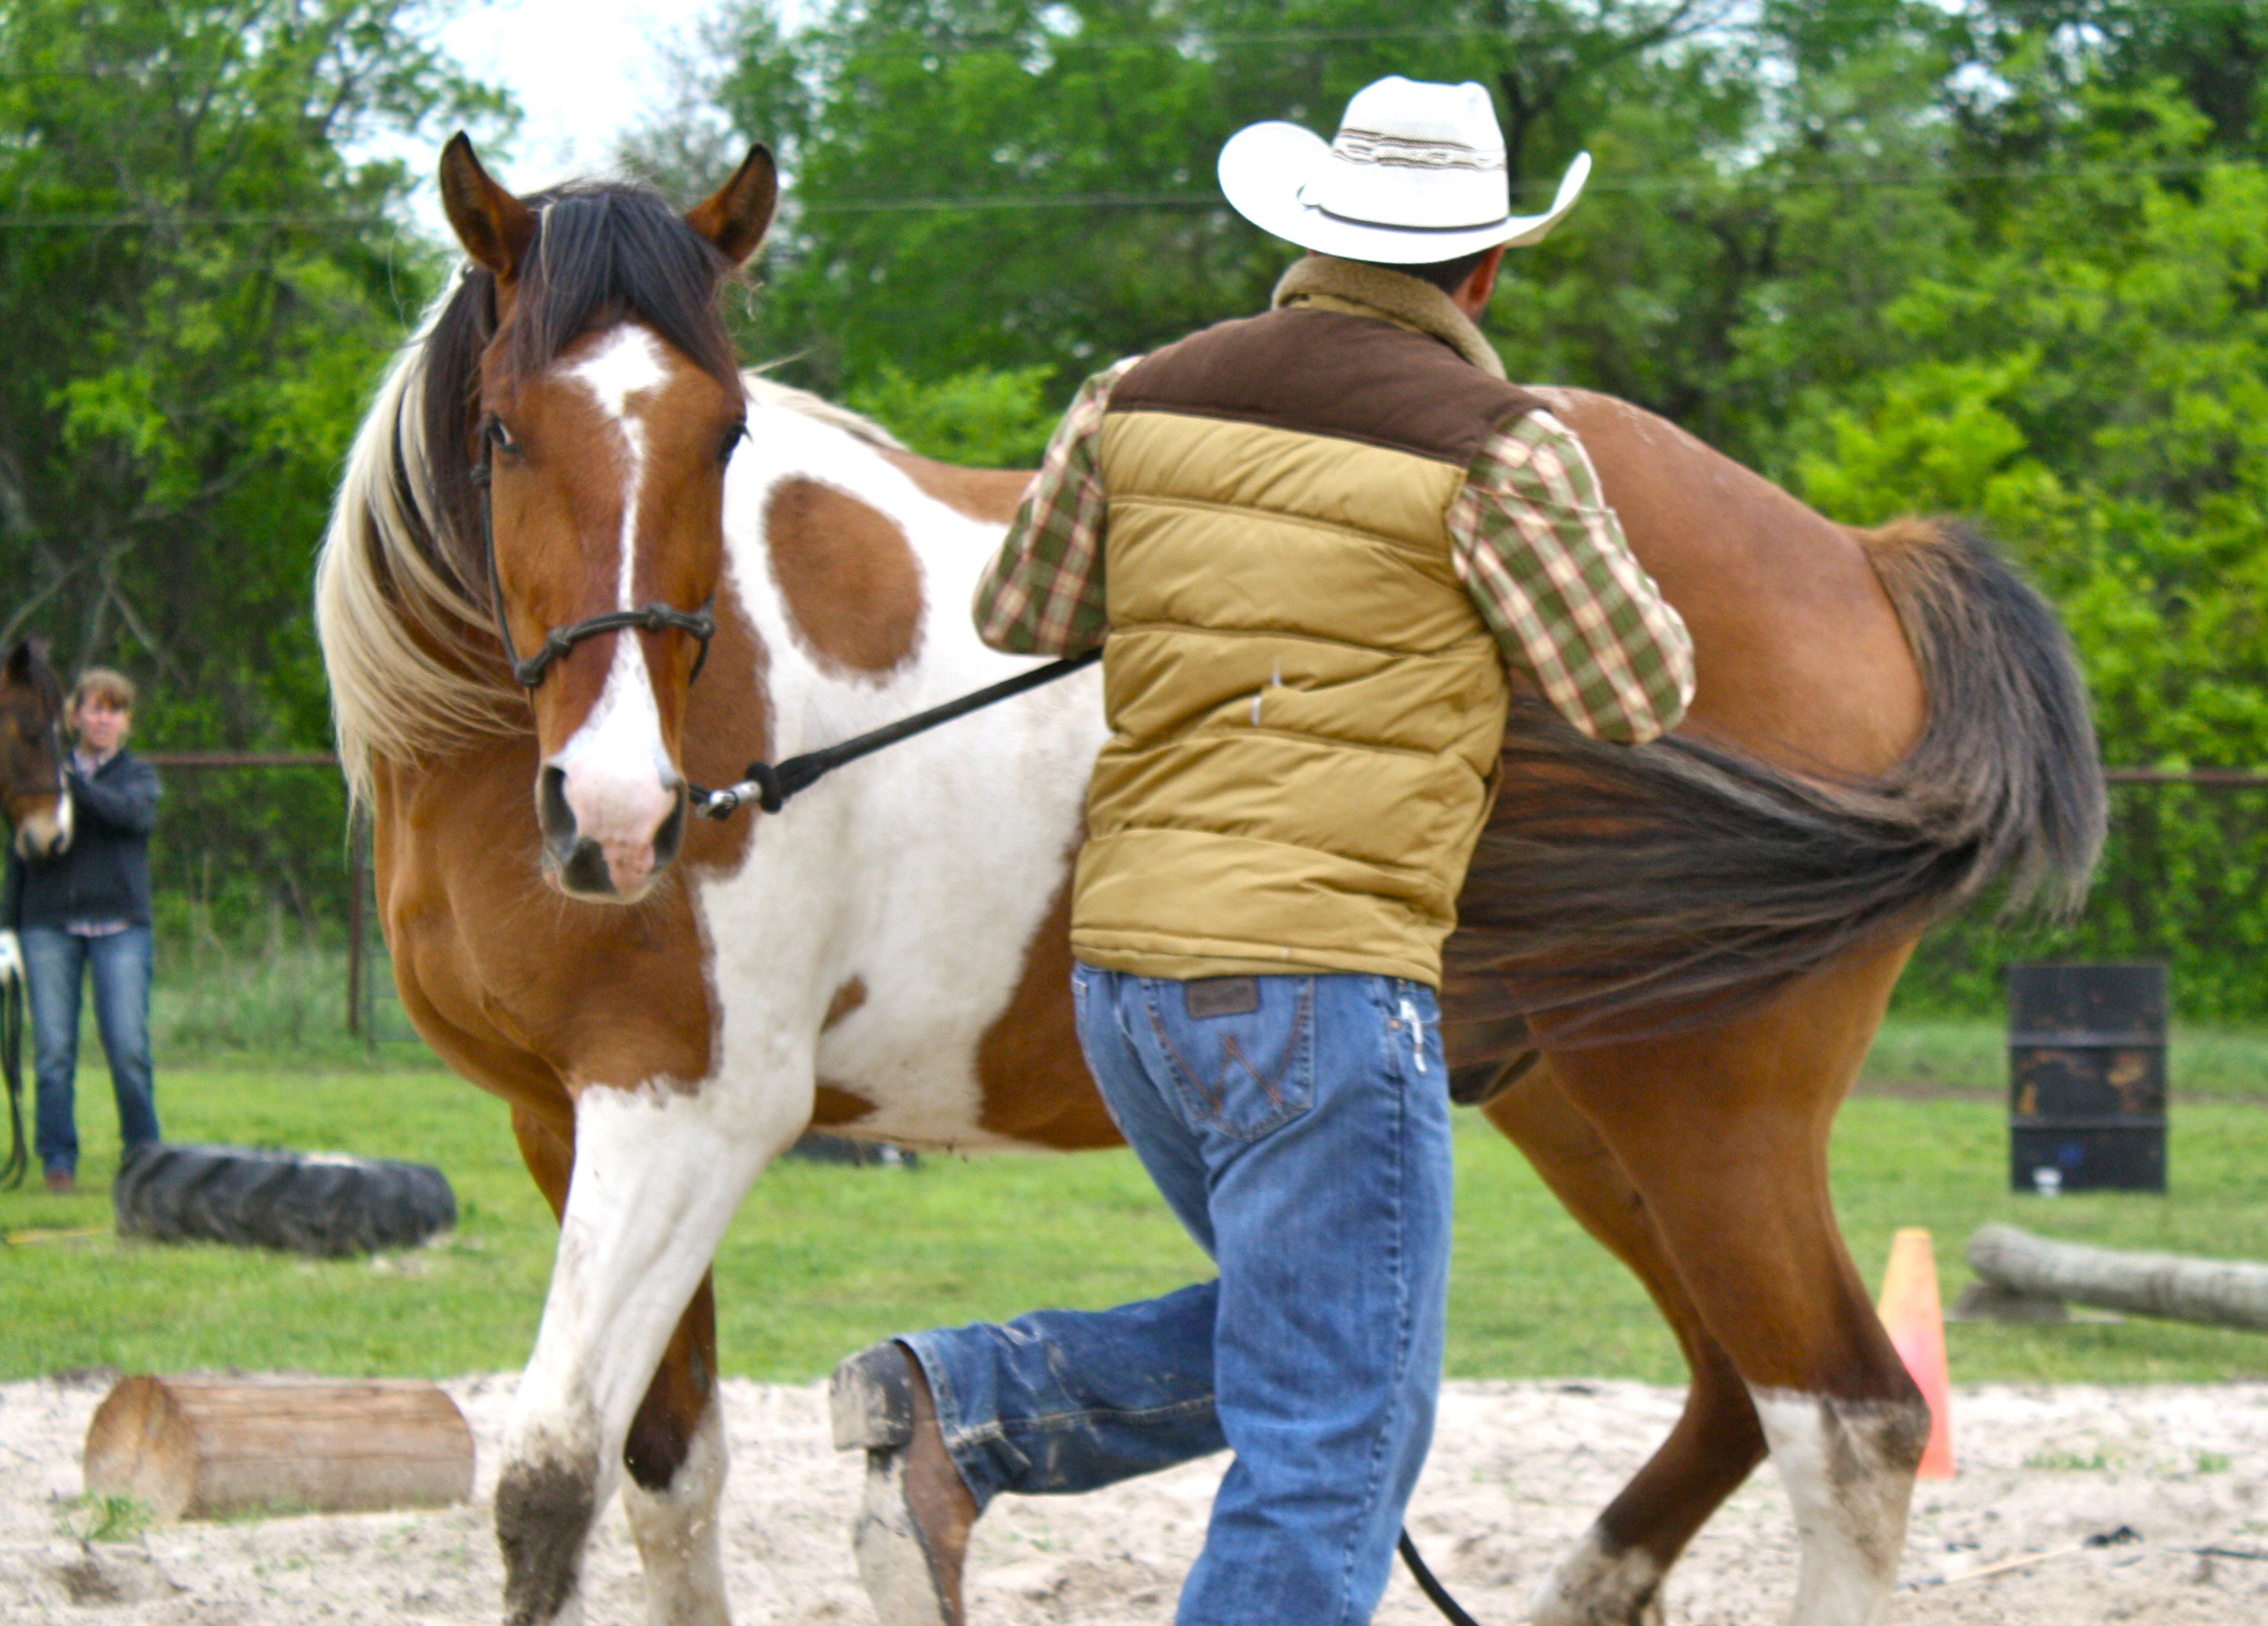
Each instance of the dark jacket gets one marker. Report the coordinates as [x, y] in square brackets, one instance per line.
[104, 876]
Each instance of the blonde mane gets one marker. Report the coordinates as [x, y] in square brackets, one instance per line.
[410, 645]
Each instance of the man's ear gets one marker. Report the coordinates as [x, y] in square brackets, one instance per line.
[737, 215]
[495, 227]
[1481, 285]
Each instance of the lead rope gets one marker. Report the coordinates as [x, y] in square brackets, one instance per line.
[1436, 1595]
[768, 786]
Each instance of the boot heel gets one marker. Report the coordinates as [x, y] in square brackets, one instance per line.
[871, 1400]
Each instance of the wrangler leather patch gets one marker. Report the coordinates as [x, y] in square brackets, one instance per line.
[1223, 995]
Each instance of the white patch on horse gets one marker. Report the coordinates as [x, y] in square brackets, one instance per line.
[1849, 1469]
[679, 1540]
[1599, 1584]
[628, 361]
[619, 779]
[911, 871]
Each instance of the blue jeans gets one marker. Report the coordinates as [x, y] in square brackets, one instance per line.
[1304, 1143]
[53, 962]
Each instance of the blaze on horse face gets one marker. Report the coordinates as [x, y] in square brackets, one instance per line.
[607, 443]
[31, 753]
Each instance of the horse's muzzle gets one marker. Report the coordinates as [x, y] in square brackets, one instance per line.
[43, 836]
[617, 856]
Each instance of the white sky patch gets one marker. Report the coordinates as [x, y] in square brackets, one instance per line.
[583, 72]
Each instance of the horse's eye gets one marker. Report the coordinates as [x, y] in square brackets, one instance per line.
[501, 436]
[734, 436]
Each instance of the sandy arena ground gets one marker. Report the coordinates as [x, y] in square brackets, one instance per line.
[1518, 1470]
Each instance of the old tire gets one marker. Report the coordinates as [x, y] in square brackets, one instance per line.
[325, 1204]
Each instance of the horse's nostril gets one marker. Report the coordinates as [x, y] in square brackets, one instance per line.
[671, 835]
[552, 813]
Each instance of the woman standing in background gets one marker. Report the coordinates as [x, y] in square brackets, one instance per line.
[88, 908]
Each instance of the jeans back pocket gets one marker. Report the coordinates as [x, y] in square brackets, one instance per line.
[1243, 1063]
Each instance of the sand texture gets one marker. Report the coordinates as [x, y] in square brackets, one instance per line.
[1519, 1470]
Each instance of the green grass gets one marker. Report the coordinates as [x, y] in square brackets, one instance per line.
[822, 1260]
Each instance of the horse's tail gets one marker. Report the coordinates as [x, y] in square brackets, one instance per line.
[1629, 891]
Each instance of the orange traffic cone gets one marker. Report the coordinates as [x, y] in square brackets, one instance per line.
[1913, 1316]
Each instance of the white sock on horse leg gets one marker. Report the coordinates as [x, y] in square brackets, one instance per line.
[1849, 1469]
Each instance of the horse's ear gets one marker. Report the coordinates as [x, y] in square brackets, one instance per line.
[20, 661]
[736, 216]
[495, 227]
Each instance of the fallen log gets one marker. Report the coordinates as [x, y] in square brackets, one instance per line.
[2220, 1292]
[209, 1447]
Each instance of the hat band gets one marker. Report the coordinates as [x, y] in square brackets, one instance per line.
[1307, 199]
[1389, 225]
[1360, 146]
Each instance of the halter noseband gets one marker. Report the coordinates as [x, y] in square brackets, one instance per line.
[700, 624]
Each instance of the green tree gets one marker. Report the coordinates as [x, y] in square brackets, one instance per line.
[198, 283]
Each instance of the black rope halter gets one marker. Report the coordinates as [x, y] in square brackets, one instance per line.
[700, 625]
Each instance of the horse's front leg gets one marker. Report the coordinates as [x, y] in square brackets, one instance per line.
[658, 1171]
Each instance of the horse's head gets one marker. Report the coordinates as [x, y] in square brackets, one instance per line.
[32, 752]
[600, 414]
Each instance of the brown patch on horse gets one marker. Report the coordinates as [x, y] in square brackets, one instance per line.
[991, 494]
[833, 1106]
[847, 998]
[852, 585]
[1029, 1068]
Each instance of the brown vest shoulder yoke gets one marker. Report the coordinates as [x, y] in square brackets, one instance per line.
[1325, 372]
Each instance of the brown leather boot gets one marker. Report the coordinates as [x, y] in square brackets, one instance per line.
[61, 1183]
[912, 1533]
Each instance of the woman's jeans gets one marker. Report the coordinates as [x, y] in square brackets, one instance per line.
[53, 962]
[1298, 1126]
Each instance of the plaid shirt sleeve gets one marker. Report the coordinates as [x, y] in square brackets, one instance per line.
[1043, 594]
[1544, 558]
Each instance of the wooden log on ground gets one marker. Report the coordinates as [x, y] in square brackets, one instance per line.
[2217, 1292]
[209, 1447]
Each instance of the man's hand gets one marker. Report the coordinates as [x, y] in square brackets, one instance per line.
[11, 959]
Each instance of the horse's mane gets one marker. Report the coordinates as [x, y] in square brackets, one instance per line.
[401, 593]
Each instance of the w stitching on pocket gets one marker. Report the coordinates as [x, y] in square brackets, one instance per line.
[1297, 1052]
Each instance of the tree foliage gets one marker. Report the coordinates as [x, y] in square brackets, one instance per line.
[198, 284]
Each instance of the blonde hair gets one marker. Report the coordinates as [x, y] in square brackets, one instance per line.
[114, 689]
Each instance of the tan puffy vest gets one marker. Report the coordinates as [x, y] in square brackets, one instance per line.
[1306, 709]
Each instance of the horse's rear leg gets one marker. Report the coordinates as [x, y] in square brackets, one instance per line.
[1613, 1577]
[676, 1458]
[1724, 1137]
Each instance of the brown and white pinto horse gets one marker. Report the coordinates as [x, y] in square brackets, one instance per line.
[32, 795]
[1707, 943]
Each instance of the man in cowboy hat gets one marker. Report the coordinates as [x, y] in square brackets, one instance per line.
[1316, 539]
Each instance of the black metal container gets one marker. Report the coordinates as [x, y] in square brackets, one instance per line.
[2087, 1077]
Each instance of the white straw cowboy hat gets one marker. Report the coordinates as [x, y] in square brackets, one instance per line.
[1415, 175]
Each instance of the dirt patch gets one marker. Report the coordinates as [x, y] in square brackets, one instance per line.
[1518, 1471]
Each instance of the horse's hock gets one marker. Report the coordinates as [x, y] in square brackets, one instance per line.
[323, 1204]
[211, 1447]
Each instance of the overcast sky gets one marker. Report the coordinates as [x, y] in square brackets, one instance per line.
[583, 72]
